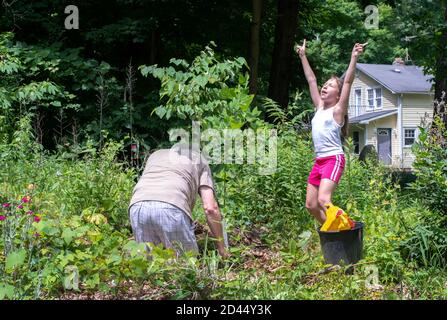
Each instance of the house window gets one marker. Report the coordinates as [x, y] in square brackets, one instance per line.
[371, 98]
[375, 98]
[409, 136]
[358, 97]
[358, 101]
[378, 97]
[356, 141]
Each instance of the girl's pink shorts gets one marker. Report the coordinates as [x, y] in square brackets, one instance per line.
[327, 168]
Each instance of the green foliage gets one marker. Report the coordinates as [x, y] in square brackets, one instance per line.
[427, 243]
[100, 193]
[430, 167]
[42, 82]
[387, 33]
[20, 244]
[276, 200]
[333, 27]
[71, 181]
[295, 115]
[206, 90]
[26, 72]
[424, 23]
[61, 222]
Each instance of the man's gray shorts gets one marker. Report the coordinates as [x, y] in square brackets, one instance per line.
[160, 222]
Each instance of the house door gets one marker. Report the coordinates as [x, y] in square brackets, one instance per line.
[356, 141]
[384, 145]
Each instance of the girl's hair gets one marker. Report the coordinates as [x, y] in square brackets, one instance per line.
[344, 129]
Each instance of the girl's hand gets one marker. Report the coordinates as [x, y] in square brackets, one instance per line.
[358, 49]
[301, 50]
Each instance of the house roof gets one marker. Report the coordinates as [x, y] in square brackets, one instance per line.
[371, 116]
[398, 78]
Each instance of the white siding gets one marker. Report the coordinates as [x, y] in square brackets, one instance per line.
[363, 82]
[416, 109]
[388, 122]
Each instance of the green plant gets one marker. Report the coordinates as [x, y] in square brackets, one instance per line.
[276, 200]
[20, 246]
[206, 90]
[295, 115]
[427, 243]
[430, 167]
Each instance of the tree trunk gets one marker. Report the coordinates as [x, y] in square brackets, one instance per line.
[254, 45]
[155, 46]
[441, 70]
[280, 72]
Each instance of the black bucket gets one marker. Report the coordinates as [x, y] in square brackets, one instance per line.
[342, 247]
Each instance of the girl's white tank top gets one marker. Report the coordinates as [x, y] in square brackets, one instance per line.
[326, 133]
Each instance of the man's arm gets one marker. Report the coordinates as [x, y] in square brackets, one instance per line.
[213, 218]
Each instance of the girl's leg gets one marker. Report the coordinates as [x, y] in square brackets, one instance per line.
[312, 204]
[327, 188]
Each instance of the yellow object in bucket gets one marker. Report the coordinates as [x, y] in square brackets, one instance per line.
[336, 219]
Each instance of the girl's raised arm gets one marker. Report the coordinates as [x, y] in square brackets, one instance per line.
[310, 76]
[342, 105]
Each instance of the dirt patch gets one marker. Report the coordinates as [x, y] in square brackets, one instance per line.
[128, 291]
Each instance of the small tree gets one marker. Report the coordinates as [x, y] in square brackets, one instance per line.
[213, 92]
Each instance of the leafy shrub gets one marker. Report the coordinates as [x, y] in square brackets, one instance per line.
[20, 245]
[427, 243]
[430, 167]
[206, 90]
[98, 183]
[275, 200]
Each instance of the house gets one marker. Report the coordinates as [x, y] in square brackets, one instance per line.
[387, 104]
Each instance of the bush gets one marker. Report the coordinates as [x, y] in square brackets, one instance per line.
[276, 200]
[427, 243]
[53, 207]
[208, 90]
[430, 167]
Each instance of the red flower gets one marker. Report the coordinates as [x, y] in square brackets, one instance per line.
[37, 235]
[36, 219]
[2, 218]
[26, 199]
[20, 206]
[6, 205]
[30, 213]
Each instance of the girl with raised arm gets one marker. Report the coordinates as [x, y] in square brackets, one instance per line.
[328, 125]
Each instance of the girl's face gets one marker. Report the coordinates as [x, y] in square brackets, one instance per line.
[330, 91]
